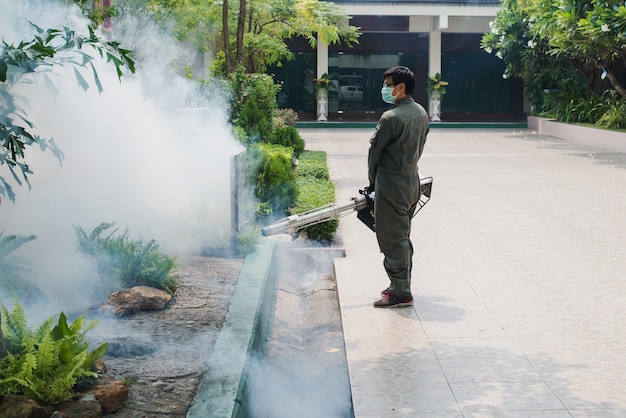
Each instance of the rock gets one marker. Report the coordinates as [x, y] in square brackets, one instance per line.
[99, 366]
[126, 346]
[19, 406]
[109, 392]
[86, 407]
[138, 298]
[107, 395]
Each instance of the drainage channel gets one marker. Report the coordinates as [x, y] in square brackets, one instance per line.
[298, 366]
[281, 351]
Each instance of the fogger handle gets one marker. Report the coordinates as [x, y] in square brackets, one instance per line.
[335, 210]
[323, 214]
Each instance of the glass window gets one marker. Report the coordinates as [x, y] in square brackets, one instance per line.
[475, 84]
[296, 78]
[357, 80]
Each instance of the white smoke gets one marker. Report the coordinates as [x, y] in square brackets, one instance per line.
[135, 155]
[296, 390]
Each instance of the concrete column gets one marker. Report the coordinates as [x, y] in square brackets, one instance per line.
[434, 52]
[322, 58]
[434, 59]
[322, 68]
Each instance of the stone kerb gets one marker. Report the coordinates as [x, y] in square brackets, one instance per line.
[581, 134]
[221, 391]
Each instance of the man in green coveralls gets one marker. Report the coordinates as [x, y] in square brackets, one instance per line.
[395, 149]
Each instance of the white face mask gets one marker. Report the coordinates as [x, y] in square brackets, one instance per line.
[387, 95]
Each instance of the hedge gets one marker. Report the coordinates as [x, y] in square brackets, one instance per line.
[314, 190]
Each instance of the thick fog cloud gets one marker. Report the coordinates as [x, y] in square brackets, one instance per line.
[137, 155]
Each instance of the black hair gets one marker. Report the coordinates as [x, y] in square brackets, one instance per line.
[399, 75]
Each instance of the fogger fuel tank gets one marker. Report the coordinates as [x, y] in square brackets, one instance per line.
[362, 204]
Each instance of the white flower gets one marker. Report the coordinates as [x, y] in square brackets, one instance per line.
[499, 54]
[505, 76]
[488, 50]
[605, 27]
[531, 44]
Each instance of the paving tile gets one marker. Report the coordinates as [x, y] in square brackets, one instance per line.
[477, 323]
[590, 389]
[413, 398]
[483, 369]
[472, 348]
[519, 414]
[598, 413]
[420, 415]
[520, 303]
[495, 397]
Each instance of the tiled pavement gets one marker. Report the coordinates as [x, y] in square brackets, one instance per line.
[519, 281]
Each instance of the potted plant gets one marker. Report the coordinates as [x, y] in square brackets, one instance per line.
[436, 89]
[321, 93]
[321, 85]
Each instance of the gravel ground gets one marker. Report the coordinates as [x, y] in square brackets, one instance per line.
[163, 354]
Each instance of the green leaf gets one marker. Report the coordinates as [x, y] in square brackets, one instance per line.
[81, 80]
[96, 78]
[96, 354]
[66, 351]
[6, 189]
[61, 330]
[3, 71]
[50, 85]
[47, 49]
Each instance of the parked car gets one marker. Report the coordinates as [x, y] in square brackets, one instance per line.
[351, 93]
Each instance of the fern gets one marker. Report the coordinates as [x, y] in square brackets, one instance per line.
[131, 262]
[46, 364]
[47, 356]
[19, 375]
[14, 327]
[60, 383]
[19, 372]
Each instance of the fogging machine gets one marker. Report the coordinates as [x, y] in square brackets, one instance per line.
[362, 204]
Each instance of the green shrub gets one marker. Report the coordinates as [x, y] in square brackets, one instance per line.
[313, 164]
[270, 170]
[247, 240]
[253, 119]
[574, 108]
[240, 134]
[133, 263]
[314, 193]
[45, 364]
[285, 117]
[289, 137]
[253, 103]
[614, 117]
[554, 75]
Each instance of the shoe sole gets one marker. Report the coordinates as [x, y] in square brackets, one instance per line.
[397, 305]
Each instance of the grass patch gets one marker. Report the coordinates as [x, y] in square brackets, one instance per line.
[315, 190]
[313, 164]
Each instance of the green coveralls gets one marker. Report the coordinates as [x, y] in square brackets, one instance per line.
[395, 148]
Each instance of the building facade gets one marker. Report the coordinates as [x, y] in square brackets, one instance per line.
[427, 36]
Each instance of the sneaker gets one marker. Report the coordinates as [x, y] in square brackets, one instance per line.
[390, 301]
